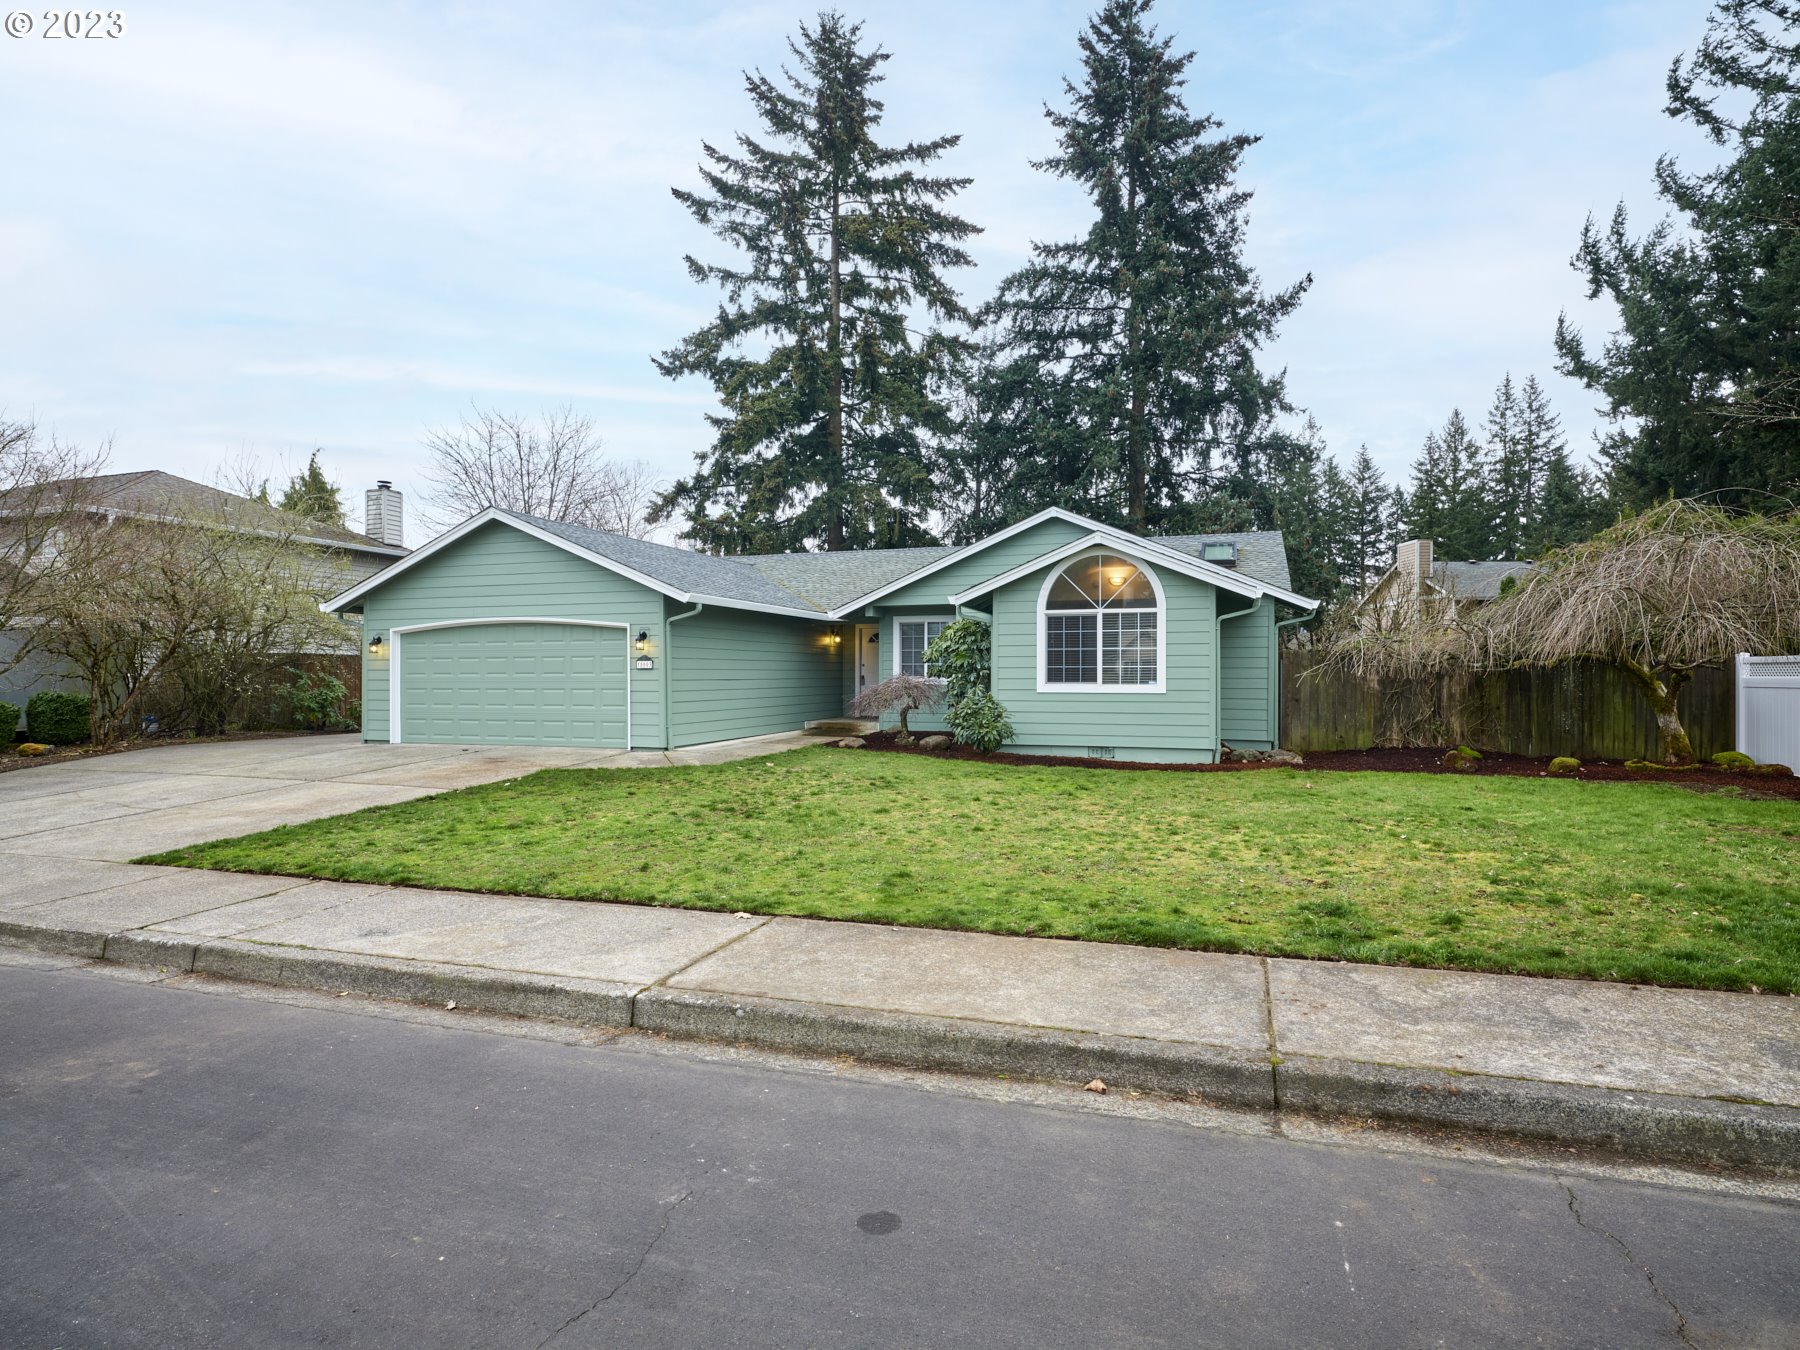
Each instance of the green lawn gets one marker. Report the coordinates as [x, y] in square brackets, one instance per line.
[1617, 881]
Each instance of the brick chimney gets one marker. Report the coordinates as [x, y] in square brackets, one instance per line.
[383, 514]
[1413, 558]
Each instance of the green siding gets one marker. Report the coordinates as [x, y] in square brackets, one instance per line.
[735, 673]
[515, 684]
[1247, 657]
[1178, 723]
[990, 562]
[500, 572]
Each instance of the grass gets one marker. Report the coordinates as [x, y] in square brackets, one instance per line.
[1617, 881]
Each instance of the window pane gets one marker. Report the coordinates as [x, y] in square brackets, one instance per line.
[1126, 585]
[1078, 587]
[1070, 655]
[1128, 648]
[915, 637]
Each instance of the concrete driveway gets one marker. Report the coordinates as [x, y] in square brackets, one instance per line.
[115, 807]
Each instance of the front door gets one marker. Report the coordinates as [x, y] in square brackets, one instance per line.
[868, 655]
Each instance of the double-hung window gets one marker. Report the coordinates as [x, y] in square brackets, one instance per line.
[915, 635]
[1102, 627]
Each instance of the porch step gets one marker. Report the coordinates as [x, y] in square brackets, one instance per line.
[842, 726]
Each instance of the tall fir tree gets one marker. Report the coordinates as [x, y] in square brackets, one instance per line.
[1449, 499]
[1133, 349]
[311, 494]
[1369, 523]
[1702, 377]
[832, 398]
[1512, 486]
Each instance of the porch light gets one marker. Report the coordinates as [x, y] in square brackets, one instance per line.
[375, 645]
[643, 640]
[833, 638]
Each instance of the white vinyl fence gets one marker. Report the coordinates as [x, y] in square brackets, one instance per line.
[1768, 709]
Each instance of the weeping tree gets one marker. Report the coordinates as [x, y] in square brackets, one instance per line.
[1657, 596]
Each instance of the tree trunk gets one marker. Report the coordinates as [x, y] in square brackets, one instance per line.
[1137, 506]
[1662, 695]
[834, 472]
[904, 736]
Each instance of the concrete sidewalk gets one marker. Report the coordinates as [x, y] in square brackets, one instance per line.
[1704, 1077]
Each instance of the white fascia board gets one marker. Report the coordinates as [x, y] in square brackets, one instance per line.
[475, 522]
[1150, 551]
[966, 551]
[367, 584]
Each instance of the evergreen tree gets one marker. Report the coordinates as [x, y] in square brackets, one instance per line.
[1512, 491]
[1449, 500]
[1369, 523]
[312, 495]
[832, 400]
[1569, 508]
[1133, 348]
[1702, 377]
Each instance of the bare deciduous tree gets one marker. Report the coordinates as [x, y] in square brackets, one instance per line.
[901, 694]
[1680, 586]
[549, 466]
[42, 486]
[190, 596]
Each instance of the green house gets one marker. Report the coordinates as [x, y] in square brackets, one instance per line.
[514, 630]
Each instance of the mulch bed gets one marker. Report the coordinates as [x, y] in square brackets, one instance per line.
[1422, 760]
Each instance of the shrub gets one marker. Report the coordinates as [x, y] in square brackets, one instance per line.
[58, 718]
[1733, 759]
[1564, 764]
[962, 656]
[9, 722]
[901, 694]
[980, 721]
[318, 699]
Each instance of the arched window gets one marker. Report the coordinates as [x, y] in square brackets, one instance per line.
[1100, 621]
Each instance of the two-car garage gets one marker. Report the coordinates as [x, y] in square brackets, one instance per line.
[510, 682]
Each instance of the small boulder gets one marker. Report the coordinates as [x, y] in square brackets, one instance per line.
[1771, 770]
[1282, 757]
[33, 748]
[937, 742]
[1732, 759]
[1563, 764]
[850, 743]
[1462, 758]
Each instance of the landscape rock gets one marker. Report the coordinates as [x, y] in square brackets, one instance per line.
[938, 742]
[33, 748]
[850, 743]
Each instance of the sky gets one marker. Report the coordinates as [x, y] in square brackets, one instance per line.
[241, 232]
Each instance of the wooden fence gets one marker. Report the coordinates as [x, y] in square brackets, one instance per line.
[1582, 709]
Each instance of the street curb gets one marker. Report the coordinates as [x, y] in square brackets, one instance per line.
[1217, 1074]
[585, 1002]
[1646, 1124]
[1657, 1125]
[58, 941]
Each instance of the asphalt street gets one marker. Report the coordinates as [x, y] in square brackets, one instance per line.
[184, 1167]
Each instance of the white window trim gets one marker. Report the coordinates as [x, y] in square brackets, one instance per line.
[395, 634]
[1044, 686]
[894, 637]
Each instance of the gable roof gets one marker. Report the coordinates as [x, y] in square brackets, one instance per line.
[1149, 550]
[833, 585]
[1476, 580]
[155, 494]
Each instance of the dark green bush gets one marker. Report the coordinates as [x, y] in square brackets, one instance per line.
[318, 699]
[57, 718]
[980, 721]
[9, 722]
[962, 656]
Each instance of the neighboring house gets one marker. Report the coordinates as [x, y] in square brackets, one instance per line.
[1417, 587]
[510, 629]
[344, 556]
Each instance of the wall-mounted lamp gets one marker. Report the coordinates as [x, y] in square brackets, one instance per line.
[375, 645]
[643, 640]
[833, 638]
